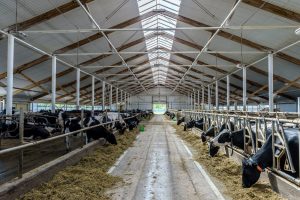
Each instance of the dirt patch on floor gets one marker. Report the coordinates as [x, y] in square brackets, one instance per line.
[88, 179]
[227, 171]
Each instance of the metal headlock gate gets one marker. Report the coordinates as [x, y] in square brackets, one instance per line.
[263, 121]
[19, 120]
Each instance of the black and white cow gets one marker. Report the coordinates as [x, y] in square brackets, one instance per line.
[31, 131]
[74, 124]
[211, 131]
[98, 132]
[180, 120]
[194, 123]
[253, 166]
[171, 115]
[132, 122]
[234, 138]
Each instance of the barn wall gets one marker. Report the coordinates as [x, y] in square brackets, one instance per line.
[145, 102]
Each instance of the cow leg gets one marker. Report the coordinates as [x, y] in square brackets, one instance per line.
[67, 142]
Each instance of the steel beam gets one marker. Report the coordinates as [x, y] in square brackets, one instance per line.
[244, 88]
[53, 84]
[93, 95]
[10, 74]
[228, 91]
[103, 95]
[77, 89]
[270, 78]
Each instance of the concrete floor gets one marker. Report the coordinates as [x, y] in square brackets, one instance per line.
[160, 166]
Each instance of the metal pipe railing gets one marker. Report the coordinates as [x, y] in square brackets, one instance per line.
[277, 131]
[9, 150]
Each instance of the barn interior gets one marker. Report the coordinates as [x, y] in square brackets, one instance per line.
[155, 62]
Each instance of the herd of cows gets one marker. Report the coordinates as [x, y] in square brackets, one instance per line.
[255, 161]
[45, 124]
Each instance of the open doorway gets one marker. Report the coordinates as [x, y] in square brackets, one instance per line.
[159, 108]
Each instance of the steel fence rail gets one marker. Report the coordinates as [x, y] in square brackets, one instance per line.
[23, 146]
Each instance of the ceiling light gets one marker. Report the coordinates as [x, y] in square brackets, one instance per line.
[297, 31]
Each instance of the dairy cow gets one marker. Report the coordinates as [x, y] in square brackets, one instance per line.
[253, 166]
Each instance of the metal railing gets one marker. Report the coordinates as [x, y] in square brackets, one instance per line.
[243, 120]
[23, 146]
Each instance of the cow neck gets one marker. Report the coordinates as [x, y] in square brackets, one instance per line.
[237, 138]
[263, 157]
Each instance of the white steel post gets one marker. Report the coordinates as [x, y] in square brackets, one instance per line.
[188, 101]
[244, 88]
[298, 107]
[110, 98]
[202, 99]
[208, 99]
[194, 102]
[117, 98]
[129, 106]
[270, 77]
[198, 100]
[191, 101]
[53, 85]
[228, 92]
[121, 99]
[93, 95]
[217, 95]
[103, 95]
[125, 102]
[10, 74]
[78, 89]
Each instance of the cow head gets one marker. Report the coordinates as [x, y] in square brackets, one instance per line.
[222, 139]
[209, 133]
[180, 120]
[190, 124]
[72, 124]
[111, 138]
[251, 173]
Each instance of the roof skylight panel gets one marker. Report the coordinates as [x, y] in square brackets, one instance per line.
[159, 45]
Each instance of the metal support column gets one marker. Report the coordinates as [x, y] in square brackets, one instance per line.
[194, 102]
[53, 84]
[125, 105]
[93, 95]
[244, 88]
[228, 92]
[298, 106]
[191, 101]
[129, 102]
[110, 98]
[103, 95]
[117, 99]
[217, 95]
[270, 77]
[198, 100]
[78, 89]
[202, 99]
[208, 99]
[121, 99]
[10, 74]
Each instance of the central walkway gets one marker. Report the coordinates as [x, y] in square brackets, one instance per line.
[159, 166]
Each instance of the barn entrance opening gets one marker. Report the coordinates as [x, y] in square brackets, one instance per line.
[159, 108]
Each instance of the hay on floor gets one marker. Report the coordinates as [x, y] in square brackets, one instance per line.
[88, 179]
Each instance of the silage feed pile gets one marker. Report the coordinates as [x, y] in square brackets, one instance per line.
[88, 179]
[226, 171]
